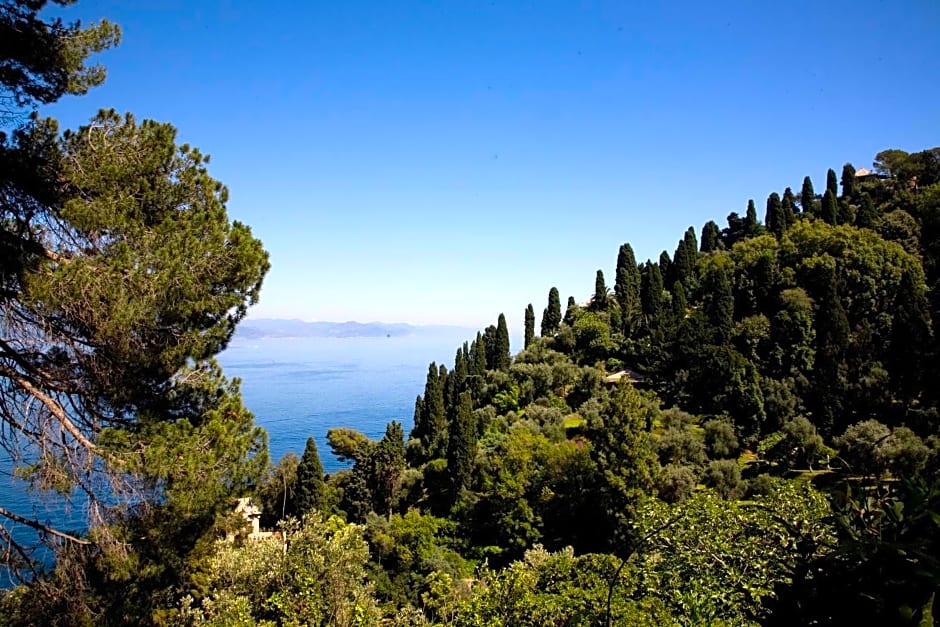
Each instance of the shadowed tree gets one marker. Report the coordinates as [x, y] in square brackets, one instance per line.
[832, 183]
[711, 237]
[503, 358]
[599, 302]
[775, 219]
[829, 211]
[848, 181]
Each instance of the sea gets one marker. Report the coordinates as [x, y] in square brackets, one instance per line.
[296, 387]
[302, 387]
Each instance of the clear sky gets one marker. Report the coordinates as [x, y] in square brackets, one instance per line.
[442, 162]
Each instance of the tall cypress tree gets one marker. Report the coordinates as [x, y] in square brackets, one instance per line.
[789, 206]
[832, 339]
[462, 447]
[489, 344]
[832, 183]
[435, 417]
[808, 197]
[387, 465]
[529, 325]
[665, 265]
[718, 303]
[503, 358]
[310, 493]
[830, 208]
[477, 365]
[848, 181]
[711, 237]
[867, 216]
[627, 288]
[752, 227]
[679, 304]
[599, 302]
[571, 309]
[652, 294]
[775, 219]
[551, 318]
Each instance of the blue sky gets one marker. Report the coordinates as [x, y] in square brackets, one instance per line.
[442, 162]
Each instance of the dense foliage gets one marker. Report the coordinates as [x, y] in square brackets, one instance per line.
[744, 431]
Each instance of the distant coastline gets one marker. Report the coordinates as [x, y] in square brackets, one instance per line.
[263, 328]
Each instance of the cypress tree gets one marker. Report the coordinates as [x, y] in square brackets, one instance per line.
[529, 325]
[477, 365]
[571, 309]
[489, 345]
[832, 338]
[435, 416]
[652, 294]
[911, 337]
[683, 262]
[808, 197]
[665, 265]
[551, 318]
[627, 288]
[832, 183]
[718, 303]
[711, 237]
[462, 447]
[775, 219]
[416, 444]
[502, 356]
[867, 216]
[679, 304]
[388, 464]
[789, 206]
[311, 489]
[599, 302]
[848, 181]
[830, 208]
[752, 227]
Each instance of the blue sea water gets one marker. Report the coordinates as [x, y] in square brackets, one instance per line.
[302, 387]
[296, 388]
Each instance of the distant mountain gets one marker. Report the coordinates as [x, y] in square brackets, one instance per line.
[276, 328]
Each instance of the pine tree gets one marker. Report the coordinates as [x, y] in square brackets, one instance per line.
[310, 493]
[808, 197]
[503, 357]
[599, 302]
[711, 237]
[627, 288]
[830, 208]
[775, 219]
[848, 181]
[551, 318]
[832, 183]
[529, 325]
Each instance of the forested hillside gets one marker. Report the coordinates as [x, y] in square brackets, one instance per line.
[741, 432]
